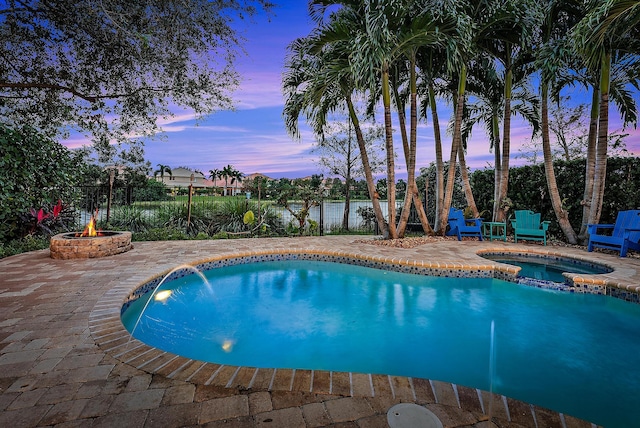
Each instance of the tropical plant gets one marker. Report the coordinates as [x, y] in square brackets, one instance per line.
[318, 79]
[229, 172]
[23, 245]
[162, 169]
[36, 172]
[486, 85]
[298, 197]
[609, 27]
[557, 18]
[230, 216]
[215, 174]
[47, 222]
[129, 217]
[421, 31]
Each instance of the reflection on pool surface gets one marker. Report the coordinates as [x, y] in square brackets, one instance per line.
[546, 268]
[553, 349]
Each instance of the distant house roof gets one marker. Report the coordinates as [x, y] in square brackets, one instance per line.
[184, 172]
[181, 177]
[257, 174]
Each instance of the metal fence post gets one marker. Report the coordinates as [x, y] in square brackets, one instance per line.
[321, 217]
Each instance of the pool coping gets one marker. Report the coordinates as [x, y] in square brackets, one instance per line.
[109, 334]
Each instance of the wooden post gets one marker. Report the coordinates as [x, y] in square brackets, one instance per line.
[112, 176]
[189, 202]
[259, 212]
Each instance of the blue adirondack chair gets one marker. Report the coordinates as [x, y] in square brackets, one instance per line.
[527, 226]
[624, 236]
[459, 226]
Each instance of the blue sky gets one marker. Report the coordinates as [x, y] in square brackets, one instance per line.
[253, 137]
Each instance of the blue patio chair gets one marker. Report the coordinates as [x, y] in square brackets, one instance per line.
[460, 226]
[527, 226]
[625, 234]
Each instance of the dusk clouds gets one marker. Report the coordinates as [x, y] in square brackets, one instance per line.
[253, 138]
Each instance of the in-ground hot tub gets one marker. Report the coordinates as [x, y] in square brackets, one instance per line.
[69, 246]
[546, 267]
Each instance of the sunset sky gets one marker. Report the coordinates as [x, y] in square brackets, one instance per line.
[253, 138]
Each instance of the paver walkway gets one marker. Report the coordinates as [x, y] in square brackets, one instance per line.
[53, 373]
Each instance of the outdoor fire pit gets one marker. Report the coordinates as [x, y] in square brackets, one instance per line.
[71, 246]
[107, 243]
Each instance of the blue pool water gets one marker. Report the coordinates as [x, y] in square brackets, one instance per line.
[574, 353]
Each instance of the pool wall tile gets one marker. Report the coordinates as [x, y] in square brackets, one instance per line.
[520, 413]
[241, 378]
[495, 406]
[575, 283]
[262, 379]
[381, 385]
[321, 382]
[204, 373]
[301, 380]
[361, 385]
[468, 398]
[282, 380]
[402, 389]
[423, 390]
[340, 383]
[444, 393]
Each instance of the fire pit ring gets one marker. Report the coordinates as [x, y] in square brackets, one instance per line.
[69, 246]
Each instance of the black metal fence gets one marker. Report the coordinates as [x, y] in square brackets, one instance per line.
[134, 209]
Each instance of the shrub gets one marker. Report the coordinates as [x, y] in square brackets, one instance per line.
[129, 217]
[36, 173]
[160, 234]
[23, 245]
[230, 215]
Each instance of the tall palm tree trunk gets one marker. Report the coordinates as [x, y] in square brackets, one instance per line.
[590, 166]
[391, 175]
[371, 187]
[439, 163]
[561, 215]
[456, 143]
[402, 121]
[466, 184]
[347, 190]
[412, 194]
[506, 144]
[603, 136]
[497, 171]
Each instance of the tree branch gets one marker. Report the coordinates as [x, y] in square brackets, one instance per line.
[86, 97]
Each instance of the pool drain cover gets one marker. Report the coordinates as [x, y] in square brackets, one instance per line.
[408, 415]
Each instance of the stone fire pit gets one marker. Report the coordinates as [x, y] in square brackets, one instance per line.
[69, 246]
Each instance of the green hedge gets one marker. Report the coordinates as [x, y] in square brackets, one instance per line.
[528, 189]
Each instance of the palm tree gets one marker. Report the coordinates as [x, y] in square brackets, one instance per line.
[215, 174]
[318, 79]
[557, 18]
[373, 45]
[432, 66]
[161, 171]
[423, 31]
[609, 26]
[226, 173]
[506, 35]
[236, 176]
[459, 55]
[486, 85]
[384, 33]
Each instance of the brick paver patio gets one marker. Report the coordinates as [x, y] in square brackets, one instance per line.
[54, 371]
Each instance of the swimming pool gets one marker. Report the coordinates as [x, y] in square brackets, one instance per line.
[554, 349]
